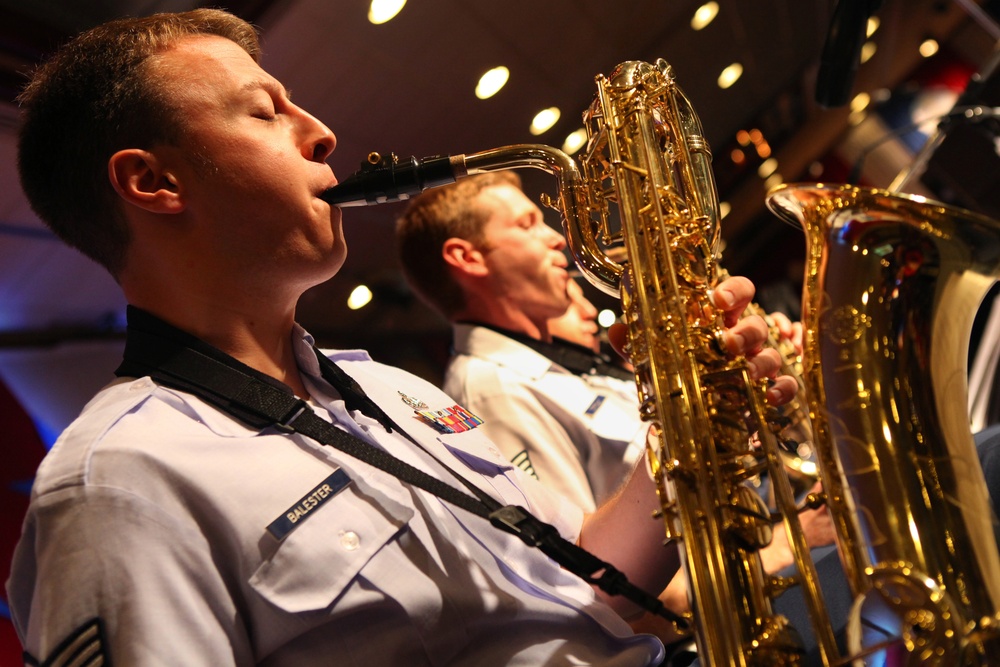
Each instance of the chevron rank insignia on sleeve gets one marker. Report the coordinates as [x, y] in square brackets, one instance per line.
[84, 646]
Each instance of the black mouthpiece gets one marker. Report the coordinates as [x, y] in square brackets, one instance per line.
[387, 179]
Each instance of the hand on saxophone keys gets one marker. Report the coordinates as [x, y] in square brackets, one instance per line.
[746, 336]
[743, 336]
[789, 331]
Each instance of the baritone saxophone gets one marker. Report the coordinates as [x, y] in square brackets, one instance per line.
[647, 156]
[892, 285]
[645, 184]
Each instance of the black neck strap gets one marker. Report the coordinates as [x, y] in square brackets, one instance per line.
[571, 356]
[176, 359]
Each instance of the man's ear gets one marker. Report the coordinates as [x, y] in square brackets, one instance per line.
[140, 178]
[464, 257]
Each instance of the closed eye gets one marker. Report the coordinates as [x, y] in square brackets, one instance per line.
[264, 108]
[266, 99]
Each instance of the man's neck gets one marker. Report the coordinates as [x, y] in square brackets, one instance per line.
[507, 319]
[260, 339]
[572, 356]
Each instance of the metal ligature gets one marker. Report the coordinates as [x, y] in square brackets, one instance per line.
[647, 160]
[892, 285]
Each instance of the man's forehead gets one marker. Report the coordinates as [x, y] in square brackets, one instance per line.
[207, 59]
[507, 199]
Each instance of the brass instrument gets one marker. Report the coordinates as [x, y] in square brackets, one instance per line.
[646, 155]
[891, 288]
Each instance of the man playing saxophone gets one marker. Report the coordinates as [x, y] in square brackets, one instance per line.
[166, 529]
[479, 252]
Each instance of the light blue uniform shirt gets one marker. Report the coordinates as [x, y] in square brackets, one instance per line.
[580, 434]
[151, 514]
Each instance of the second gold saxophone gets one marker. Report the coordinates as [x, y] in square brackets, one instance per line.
[892, 285]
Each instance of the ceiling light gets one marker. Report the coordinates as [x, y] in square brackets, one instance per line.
[543, 120]
[730, 75]
[360, 296]
[773, 181]
[871, 26]
[767, 167]
[867, 51]
[928, 48]
[381, 11]
[606, 318]
[491, 82]
[704, 15]
[860, 102]
[575, 141]
[724, 209]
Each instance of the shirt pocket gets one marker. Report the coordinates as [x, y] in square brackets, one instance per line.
[477, 452]
[495, 474]
[317, 560]
[615, 420]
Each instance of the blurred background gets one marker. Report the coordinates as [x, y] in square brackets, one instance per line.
[754, 72]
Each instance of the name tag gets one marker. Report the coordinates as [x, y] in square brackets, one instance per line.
[595, 405]
[309, 503]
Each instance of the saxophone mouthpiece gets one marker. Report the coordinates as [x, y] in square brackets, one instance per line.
[381, 180]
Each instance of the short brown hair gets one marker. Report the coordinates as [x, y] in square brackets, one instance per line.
[92, 98]
[437, 215]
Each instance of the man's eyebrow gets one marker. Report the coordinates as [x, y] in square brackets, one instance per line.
[268, 86]
[532, 215]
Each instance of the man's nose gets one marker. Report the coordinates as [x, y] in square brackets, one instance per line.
[555, 240]
[319, 140]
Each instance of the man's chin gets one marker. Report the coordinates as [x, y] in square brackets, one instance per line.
[338, 258]
[330, 265]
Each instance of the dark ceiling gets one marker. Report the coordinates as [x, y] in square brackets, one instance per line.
[406, 87]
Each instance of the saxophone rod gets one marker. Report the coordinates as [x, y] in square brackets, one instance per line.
[385, 179]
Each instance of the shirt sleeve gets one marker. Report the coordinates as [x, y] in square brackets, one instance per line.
[132, 582]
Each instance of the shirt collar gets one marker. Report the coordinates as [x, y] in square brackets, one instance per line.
[487, 343]
[564, 354]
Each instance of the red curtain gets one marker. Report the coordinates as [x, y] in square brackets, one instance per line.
[23, 449]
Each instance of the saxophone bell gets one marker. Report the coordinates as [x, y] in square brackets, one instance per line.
[891, 286]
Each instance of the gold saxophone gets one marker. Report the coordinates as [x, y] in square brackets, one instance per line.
[891, 288]
[647, 160]
[646, 153]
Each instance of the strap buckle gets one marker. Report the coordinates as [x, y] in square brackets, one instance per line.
[296, 411]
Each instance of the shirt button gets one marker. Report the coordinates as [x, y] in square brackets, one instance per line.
[350, 540]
